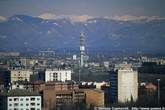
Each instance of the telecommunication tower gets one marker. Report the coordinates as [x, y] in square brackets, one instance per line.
[82, 49]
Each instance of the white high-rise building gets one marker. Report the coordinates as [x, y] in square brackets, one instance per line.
[57, 75]
[127, 84]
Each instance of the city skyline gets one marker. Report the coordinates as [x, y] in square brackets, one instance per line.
[82, 54]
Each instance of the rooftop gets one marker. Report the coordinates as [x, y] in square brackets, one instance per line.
[95, 90]
[19, 92]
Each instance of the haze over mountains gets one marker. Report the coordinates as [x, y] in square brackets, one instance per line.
[27, 33]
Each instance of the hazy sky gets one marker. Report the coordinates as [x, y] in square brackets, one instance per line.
[81, 7]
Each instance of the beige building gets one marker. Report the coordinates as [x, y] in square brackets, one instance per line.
[20, 75]
[94, 97]
[127, 84]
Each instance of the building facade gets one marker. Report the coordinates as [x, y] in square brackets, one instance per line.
[20, 75]
[94, 97]
[57, 75]
[124, 84]
[127, 85]
[20, 101]
[58, 94]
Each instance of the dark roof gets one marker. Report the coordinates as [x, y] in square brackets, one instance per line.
[20, 92]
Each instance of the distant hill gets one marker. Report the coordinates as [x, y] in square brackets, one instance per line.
[27, 33]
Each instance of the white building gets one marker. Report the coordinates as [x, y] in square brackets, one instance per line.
[20, 100]
[57, 75]
[20, 75]
[100, 84]
[19, 85]
[74, 57]
[127, 84]
[106, 64]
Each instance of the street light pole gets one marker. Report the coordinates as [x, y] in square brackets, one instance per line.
[158, 91]
[79, 77]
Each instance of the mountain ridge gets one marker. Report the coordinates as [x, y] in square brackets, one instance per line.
[27, 33]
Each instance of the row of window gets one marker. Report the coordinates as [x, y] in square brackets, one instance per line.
[27, 104]
[20, 74]
[56, 74]
[22, 99]
[26, 109]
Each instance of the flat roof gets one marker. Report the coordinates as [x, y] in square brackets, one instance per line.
[19, 92]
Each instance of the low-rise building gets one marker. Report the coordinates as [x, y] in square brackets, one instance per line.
[94, 97]
[20, 100]
[100, 84]
[149, 89]
[21, 85]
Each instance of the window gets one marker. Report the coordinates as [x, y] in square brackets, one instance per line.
[32, 99]
[16, 99]
[10, 104]
[27, 99]
[21, 104]
[38, 104]
[27, 104]
[15, 104]
[10, 99]
[21, 99]
[32, 104]
[38, 98]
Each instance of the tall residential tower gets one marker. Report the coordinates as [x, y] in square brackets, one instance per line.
[124, 84]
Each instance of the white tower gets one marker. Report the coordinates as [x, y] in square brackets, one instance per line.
[82, 49]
